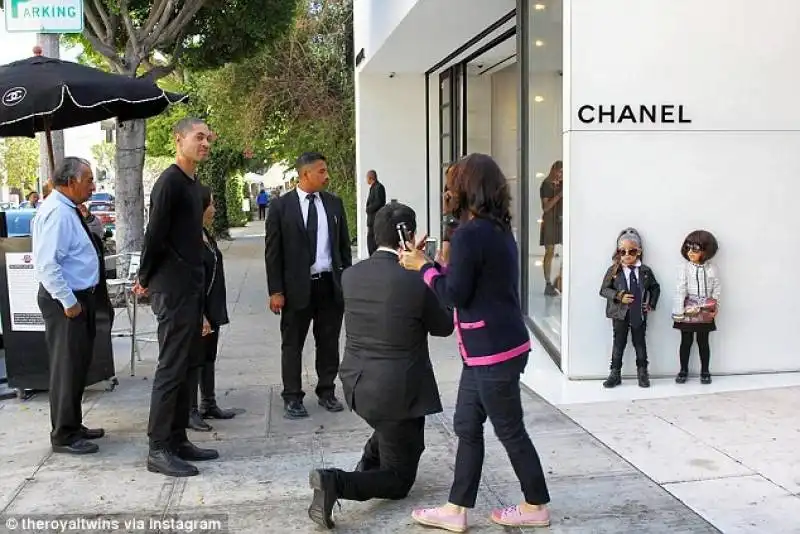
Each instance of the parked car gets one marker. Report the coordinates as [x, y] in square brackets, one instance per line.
[101, 197]
[105, 211]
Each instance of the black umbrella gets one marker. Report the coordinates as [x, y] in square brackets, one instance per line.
[41, 94]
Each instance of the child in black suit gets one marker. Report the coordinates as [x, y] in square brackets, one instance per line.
[631, 291]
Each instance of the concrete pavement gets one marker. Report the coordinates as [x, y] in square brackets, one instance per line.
[260, 482]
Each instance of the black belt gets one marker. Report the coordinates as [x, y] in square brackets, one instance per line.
[87, 291]
[321, 276]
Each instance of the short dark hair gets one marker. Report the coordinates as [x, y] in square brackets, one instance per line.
[205, 196]
[386, 221]
[307, 158]
[480, 188]
[372, 173]
[70, 167]
[186, 124]
[28, 196]
[706, 240]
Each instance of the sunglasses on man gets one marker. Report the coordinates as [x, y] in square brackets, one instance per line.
[628, 252]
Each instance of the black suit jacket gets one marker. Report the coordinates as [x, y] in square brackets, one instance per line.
[386, 371]
[287, 253]
[375, 201]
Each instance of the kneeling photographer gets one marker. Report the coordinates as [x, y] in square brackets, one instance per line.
[386, 372]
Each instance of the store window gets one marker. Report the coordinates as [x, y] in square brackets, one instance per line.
[545, 175]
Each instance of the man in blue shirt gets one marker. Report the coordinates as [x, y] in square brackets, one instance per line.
[68, 269]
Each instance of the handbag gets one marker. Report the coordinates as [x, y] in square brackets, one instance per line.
[698, 310]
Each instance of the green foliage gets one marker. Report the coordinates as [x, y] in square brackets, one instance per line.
[19, 162]
[296, 95]
[234, 188]
[223, 164]
[105, 156]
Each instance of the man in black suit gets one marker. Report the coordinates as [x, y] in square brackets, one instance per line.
[375, 201]
[307, 249]
[386, 373]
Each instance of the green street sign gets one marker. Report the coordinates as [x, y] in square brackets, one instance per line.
[44, 16]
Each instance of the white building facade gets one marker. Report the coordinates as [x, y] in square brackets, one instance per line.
[668, 117]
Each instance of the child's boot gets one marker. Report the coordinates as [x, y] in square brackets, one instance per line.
[614, 379]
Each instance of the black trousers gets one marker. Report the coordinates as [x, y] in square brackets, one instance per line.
[180, 319]
[326, 313]
[493, 391]
[391, 458]
[70, 345]
[262, 211]
[621, 328]
[204, 377]
[372, 246]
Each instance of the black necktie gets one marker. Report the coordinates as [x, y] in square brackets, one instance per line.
[311, 227]
[636, 311]
[89, 234]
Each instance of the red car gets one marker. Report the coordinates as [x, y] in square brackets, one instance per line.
[105, 212]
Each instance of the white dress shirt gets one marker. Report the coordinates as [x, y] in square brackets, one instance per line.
[324, 261]
[627, 270]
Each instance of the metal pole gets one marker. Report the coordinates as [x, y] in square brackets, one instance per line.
[49, 43]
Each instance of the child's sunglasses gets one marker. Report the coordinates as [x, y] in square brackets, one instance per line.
[693, 247]
[628, 252]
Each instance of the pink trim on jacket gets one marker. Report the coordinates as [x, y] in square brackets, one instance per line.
[430, 275]
[491, 359]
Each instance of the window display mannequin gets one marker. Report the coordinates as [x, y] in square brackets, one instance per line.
[551, 230]
[631, 291]
[696, 301]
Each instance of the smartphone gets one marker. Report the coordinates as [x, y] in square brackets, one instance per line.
[403, 234]
[431, 247]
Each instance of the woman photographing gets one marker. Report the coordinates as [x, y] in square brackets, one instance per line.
[480, 282]
[215, 314]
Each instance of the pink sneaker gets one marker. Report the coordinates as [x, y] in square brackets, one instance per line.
[439, 518]
[513, 516]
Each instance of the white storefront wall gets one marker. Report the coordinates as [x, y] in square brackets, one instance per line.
[733, 170]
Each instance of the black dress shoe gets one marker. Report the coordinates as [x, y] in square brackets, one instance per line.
[196, 422]
[189, 451]
[215, 412]
[295, 410]
[331, 404]
[323, 482]
[92, 433]
[167, 463]
[79, 446]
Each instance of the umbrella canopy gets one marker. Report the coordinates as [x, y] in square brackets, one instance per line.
[40, 94]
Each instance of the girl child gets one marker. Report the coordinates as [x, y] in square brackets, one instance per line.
[631, 291]
[696, 301]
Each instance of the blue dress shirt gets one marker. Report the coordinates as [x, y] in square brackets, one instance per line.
[65, 257]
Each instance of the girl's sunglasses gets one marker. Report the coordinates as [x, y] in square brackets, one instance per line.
[693, 247]
[628, 252]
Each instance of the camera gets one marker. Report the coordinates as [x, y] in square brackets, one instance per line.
[404, 234]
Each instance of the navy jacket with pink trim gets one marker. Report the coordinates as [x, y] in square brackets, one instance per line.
[481, 282]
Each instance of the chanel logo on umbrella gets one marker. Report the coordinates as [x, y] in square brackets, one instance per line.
[14, 96]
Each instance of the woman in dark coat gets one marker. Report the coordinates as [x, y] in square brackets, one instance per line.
[215, 314]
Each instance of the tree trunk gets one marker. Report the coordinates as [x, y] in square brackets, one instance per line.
[50, 48]
[128, 190]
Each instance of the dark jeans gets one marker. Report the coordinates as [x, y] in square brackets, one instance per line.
[204, 378]
[70, 345]
[493, 391]
[621, 328]
[326, 313]
[262, 211]
[703, 347]
[391, 458]
[180, 319]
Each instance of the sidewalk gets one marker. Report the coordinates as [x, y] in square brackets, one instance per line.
[261, 479]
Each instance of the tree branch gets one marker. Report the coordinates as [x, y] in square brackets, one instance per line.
[109, 33]
[160, 26]
[159, 6]
[133, 39]
[178, 24]
[95, 25]
[100, 47]
[157, 72]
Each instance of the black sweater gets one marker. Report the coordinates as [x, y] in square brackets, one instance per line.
[172, 256]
